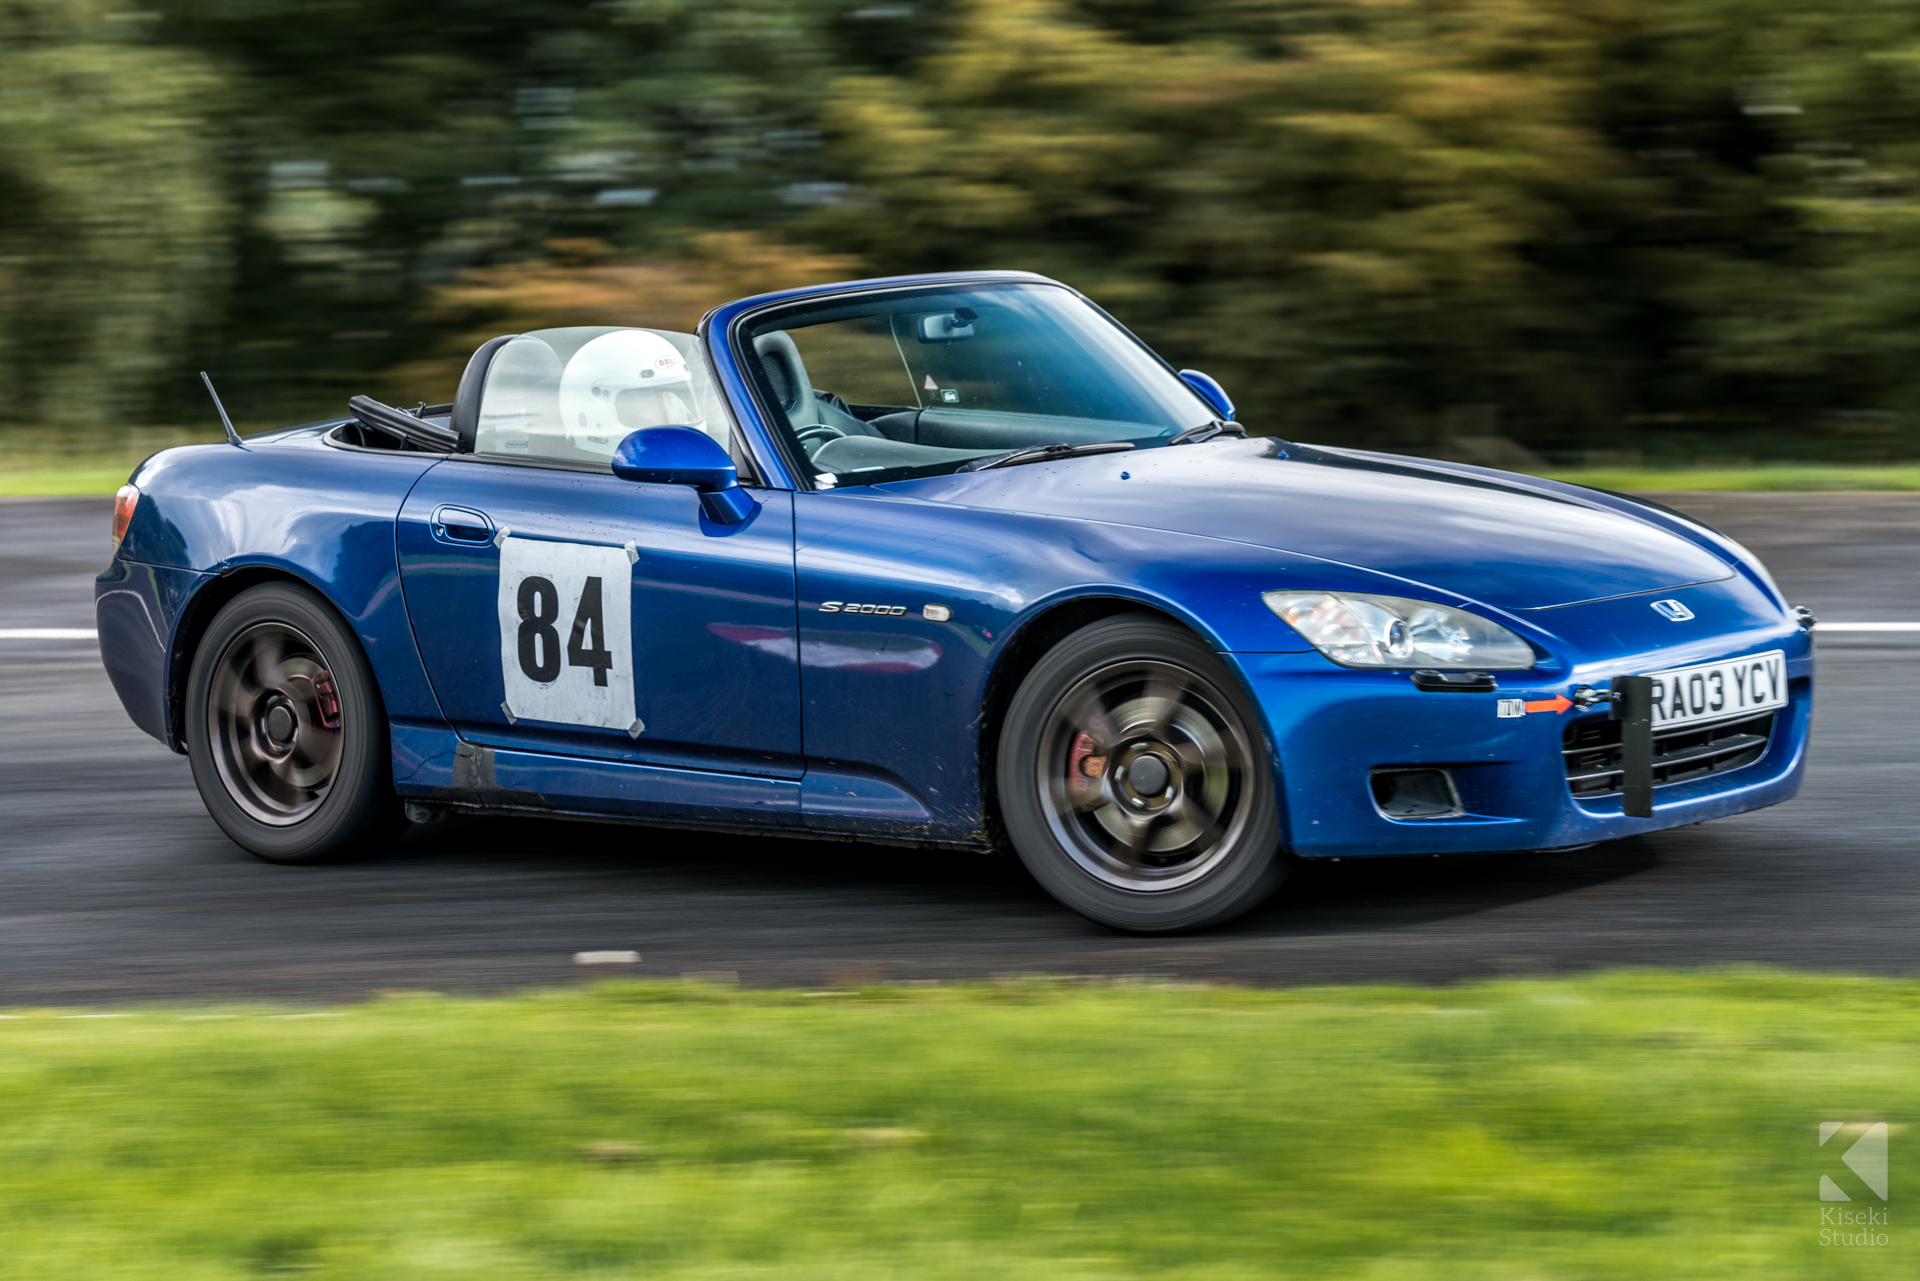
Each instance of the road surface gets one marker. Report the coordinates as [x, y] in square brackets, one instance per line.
[114, 884]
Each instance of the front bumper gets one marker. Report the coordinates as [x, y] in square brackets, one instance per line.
[1331, 727]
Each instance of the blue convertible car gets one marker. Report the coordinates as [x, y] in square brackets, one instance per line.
[952, 562]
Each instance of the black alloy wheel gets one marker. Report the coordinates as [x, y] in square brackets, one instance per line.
[1134, 781]
[285, 730]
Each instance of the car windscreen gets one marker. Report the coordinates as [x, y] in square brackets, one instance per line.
[917, 383]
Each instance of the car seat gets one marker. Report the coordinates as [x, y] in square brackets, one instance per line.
[786, 376]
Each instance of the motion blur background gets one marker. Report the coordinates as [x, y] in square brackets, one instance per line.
[1522, 232]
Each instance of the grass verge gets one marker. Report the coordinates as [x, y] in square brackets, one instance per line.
[1626, 1125]
[74, 480]
[43, 464]
[1752, 479]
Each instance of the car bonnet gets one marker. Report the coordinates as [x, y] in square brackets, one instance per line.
[1501, 544]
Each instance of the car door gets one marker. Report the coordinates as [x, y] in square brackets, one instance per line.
[573, 614]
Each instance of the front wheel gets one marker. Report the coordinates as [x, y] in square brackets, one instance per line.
[285, 730]
[1134, 781]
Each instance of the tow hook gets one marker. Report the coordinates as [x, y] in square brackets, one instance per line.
[1632, 700]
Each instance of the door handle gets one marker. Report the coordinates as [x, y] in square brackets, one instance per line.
[461, 525]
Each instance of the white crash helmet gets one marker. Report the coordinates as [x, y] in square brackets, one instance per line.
[621, 382]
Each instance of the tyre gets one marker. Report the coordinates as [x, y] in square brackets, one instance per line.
[1135, 783]
[286, 732]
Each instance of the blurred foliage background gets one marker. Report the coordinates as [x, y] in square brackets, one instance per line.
[1586, 231]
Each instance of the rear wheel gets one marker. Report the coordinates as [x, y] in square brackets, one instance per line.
[285, 730]
[1134, 782]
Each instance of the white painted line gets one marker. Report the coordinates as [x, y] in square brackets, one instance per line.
[606, 958]
[1824, 626]
[48, 633]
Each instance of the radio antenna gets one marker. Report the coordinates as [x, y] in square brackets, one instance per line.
[233, 437]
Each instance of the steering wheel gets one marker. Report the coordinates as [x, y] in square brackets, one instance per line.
[813, 439]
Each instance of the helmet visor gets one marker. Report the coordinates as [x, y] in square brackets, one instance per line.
[638, 407]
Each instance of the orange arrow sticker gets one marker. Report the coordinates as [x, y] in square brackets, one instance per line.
[1557, 704]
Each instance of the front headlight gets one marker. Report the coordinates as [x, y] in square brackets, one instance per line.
[1392, 631]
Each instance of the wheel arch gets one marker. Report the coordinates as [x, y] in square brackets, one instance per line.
[199, 613]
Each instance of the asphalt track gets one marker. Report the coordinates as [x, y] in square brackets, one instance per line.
[114, 884]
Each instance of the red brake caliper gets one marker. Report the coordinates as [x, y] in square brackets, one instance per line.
[1084, 764]
[327, 700]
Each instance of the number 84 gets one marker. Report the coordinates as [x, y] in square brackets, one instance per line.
[539, 602]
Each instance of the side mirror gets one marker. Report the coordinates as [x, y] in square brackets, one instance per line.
[1210, 391]
[683, 456]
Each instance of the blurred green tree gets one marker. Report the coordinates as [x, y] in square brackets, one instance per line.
[113, 225]
[1438, 225]
[1434, 224]
[1367, 221]
[381, 151]
[1788, 247]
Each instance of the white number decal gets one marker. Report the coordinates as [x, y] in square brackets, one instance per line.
[566, 633]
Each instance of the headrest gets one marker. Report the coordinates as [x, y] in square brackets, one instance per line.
[786, 374]
[466, 401]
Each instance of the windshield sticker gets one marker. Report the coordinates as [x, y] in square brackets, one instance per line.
[566, 633]
[932, 385]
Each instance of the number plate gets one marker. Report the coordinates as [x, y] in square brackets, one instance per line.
[1717, 691]
[566, 633]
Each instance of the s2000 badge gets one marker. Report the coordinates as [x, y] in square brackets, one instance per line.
[853, 607]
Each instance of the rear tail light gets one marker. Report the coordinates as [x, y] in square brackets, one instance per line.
[123, 504]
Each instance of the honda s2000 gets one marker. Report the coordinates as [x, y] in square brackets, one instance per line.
[952, 562]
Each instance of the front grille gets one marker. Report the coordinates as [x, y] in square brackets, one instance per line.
[1592, 752]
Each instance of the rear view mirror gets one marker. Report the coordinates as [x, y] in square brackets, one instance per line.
[683, 456]
[948, 326]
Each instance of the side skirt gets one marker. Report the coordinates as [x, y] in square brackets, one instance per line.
[440, 810]
[437, 774]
